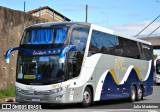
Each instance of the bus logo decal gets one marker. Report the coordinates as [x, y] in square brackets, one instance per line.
[119, 64]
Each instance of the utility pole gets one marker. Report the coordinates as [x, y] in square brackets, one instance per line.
[53, 16]
[24, 6]
[24, 14]
[86, 13]
[40, 12]
[64, 19]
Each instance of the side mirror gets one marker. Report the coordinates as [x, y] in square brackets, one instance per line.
[7, 57]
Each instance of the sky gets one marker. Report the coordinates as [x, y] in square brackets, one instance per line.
[127, 17]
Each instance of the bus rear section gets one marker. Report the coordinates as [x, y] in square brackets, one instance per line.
[122, 66]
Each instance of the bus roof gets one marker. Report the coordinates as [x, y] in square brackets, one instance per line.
[48, 24]
[103, 29]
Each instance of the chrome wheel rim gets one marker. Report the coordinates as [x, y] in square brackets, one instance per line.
[86, 97]
[133, 94]
[139, 93]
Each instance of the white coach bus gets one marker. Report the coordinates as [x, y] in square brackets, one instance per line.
[81, 63]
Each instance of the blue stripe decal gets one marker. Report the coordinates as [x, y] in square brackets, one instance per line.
[110, 90]
[55, 51]
[42, 52]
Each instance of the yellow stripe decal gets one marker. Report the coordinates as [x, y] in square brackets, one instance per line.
[112, 72]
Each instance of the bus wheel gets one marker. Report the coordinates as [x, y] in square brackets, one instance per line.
[87, 97]
[140, 93]
[133, 94]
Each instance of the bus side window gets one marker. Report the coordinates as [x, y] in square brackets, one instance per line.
[147, 52]
[93, 48]
[103, 43]
[110, 42]
[95, 43]
[130, 48]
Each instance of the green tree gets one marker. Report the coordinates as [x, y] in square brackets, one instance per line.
[155, 56]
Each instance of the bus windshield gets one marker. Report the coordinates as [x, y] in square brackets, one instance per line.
[39, 70]
[56, 35]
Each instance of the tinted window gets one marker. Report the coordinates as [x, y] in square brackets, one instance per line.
[148, 51]
[102, 43]
[142, 56]
[79, 38]
[114, 45]
[129, 47]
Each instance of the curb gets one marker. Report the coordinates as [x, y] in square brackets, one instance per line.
[8, 99]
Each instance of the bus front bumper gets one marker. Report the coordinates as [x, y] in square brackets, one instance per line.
[39, 97]
[157, 78]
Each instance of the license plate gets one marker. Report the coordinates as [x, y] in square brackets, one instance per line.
[29, 76]
[35, 99]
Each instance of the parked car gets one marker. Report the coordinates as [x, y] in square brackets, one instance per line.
[158, 71]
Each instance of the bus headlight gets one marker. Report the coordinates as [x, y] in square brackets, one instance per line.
[19, 89]
[56, 90]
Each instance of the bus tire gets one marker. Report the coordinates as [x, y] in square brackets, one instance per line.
[87, 97]
[140, 93]
[133, 94]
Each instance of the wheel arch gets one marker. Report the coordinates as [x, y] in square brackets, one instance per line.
[91, 88]
[136, 87]
[141, 85]
[133, 84]
[92, 91]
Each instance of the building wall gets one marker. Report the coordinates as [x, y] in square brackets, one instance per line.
[47, 14]
[12, 24]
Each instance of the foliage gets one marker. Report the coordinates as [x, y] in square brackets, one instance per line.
[9, 92]
[155, 56]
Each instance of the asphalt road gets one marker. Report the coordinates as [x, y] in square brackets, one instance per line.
[154, 98]
[122, 105]
[113, 105]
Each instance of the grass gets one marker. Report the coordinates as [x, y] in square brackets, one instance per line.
[9, 92]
